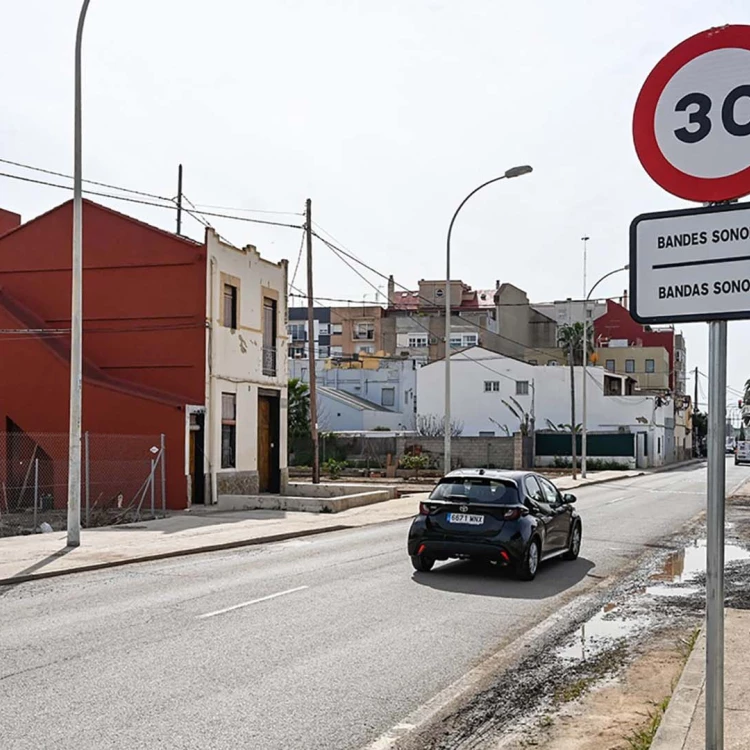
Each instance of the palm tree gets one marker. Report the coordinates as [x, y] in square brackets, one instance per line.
[562, 427]
[572, 333]
[524, 419]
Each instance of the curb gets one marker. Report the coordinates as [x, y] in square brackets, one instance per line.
[682, 464]
[24, 578]
[678, 717]
[644, 473]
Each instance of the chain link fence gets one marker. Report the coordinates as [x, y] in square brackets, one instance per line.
[122, 479]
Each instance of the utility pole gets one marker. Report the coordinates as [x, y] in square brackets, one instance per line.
[311, 346]
[696, 447]
[179, 199]
[572, 409]
[76, 315]
[585, 240]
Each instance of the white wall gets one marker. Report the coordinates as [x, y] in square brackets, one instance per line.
[235, 357]
[368, 384]
[476, 408]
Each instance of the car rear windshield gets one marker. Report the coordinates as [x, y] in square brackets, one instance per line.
[477, 489]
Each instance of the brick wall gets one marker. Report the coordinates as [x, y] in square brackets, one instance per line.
[470, 452]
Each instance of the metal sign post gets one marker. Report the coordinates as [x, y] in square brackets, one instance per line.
[717, 388]
[692, 136]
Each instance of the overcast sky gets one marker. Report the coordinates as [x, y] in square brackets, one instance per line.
[384, 113]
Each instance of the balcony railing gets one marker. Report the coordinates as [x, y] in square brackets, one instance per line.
[269, 361]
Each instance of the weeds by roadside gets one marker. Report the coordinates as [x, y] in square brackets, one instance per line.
[686, 645]
[641, 739]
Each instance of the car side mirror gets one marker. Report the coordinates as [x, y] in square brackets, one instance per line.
[568, 499]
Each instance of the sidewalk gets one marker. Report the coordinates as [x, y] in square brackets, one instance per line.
[44, 555]
[684, 724]
[25, 558]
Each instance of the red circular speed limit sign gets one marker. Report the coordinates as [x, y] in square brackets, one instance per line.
[691, 125]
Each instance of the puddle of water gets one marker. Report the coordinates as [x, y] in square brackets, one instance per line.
[609, 625]
[599, 633]
[685, 565]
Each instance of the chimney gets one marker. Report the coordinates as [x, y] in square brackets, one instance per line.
[497, 284]
[625, 298]
[8, 221]
[391, 290]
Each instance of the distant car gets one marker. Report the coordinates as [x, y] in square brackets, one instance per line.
[512, 518]
[742, 454]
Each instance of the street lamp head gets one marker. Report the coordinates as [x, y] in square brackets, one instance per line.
[518, 171]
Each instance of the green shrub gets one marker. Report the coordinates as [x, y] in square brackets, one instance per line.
[595, 464]
[415, 461]
[333, 468]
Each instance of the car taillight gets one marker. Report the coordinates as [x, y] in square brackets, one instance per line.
[512, 514]
[424, 510]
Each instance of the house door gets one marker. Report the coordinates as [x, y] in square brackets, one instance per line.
[197, 474]
[641, 457]
[268, 442]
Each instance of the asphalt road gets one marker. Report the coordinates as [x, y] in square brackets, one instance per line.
[336, 642]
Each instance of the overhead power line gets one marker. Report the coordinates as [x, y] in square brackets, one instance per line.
[299, 259]
[91, 182]
[249, 210]
[172, 207]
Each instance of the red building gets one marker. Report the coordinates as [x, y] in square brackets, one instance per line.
[144, 343]
[617, 324]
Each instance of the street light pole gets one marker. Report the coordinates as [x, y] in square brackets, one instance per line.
[76, 316]
[586, 363]
[510, 173]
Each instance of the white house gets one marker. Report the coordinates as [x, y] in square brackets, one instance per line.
[247, 373]
[368, 393]
[481, 380]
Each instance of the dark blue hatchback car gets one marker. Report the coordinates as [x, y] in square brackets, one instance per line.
[511, 518]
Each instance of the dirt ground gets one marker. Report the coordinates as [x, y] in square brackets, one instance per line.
[603, 718]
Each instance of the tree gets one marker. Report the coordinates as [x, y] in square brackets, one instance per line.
[746, 400]
[562, 427]
[524, 419]
[431, 425]
[298, 408]
[573, 333]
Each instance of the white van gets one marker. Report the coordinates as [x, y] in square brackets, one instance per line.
[742, 454]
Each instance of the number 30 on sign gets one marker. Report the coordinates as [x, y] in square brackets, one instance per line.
[691, 125]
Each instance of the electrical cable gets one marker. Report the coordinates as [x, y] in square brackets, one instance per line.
[299, 259]
[172, 207]
[480, 327]
[91, 182]
[248, 210]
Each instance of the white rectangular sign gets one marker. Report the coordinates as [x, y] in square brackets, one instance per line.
[691, 265]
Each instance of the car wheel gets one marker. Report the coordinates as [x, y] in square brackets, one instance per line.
[575, 544]
[422, 563]
[528, 567]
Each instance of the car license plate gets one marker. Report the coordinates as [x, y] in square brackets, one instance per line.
[465, 518]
